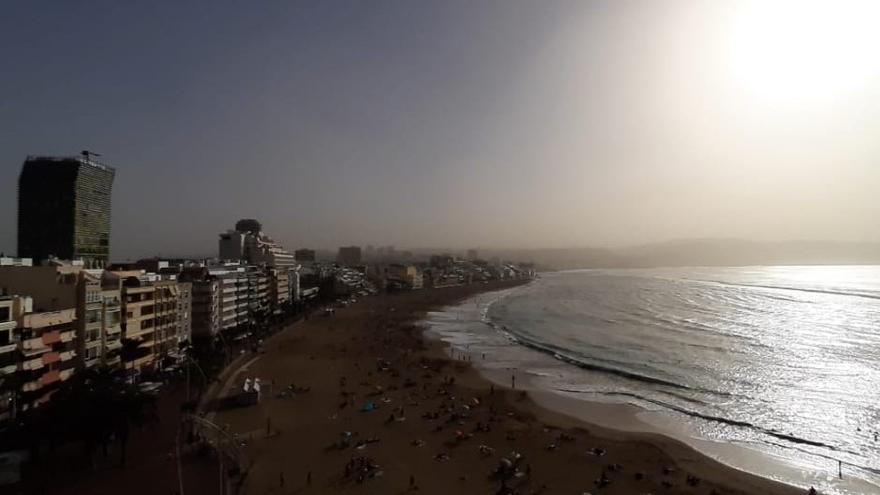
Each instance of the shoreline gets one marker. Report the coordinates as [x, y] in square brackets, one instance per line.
[330, 354]
[624, 417]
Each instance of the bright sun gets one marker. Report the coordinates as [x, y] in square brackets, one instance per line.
[806, 49]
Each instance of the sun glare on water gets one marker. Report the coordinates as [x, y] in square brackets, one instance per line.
[806, 49]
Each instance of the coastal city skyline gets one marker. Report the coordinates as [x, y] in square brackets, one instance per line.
[68, 312]
[510, 247]
[451, 124]
[75, 224]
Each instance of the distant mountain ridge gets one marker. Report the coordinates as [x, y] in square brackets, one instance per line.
[701, 252]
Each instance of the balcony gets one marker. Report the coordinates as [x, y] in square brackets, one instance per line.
[139, 290]
[50, 357]
[32, 386]
[167, 338]
[138, 318]
[32, 364]
[49, 338]
[139, 304]
[35, 344]
[50, 377]
[140, 332]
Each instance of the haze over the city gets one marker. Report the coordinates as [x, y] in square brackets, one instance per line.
[514, 124]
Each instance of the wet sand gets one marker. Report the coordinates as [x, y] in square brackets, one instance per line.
[438, 426]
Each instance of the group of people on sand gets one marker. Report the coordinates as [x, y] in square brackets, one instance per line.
[429, 391]
[361, 468]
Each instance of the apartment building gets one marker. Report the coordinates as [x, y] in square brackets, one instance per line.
[205, 301]
[111, 319]
[165, 319]
[59, 285]
[234, 294]
[137, 299]
[258, 292]
[403, 276]
[279, 289]
[269, 270]
[47, 342]
[248, 242]
[91, 300]
[184, 312]
[11, 307]
[151, 317]
[243, 297]
[294, 284]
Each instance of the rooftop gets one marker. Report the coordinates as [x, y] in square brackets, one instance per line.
[61, 159]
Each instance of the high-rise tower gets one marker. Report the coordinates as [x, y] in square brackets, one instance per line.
[64, 209]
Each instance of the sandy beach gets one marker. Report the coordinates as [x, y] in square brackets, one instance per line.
[377, 408]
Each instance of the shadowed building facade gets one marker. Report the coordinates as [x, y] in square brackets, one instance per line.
[64, 209]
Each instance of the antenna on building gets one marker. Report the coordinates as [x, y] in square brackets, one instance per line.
[86, 154]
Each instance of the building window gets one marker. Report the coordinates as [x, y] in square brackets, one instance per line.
[93, 316]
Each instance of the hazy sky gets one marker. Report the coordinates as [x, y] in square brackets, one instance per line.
[454, 123]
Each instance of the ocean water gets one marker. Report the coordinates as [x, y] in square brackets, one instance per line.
[782, 360]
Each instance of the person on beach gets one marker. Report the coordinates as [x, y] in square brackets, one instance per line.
[513, 381]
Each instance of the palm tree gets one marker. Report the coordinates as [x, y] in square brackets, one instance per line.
[96, 405]
[130, 351]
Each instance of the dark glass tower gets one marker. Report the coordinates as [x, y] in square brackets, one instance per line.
[64, 209]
